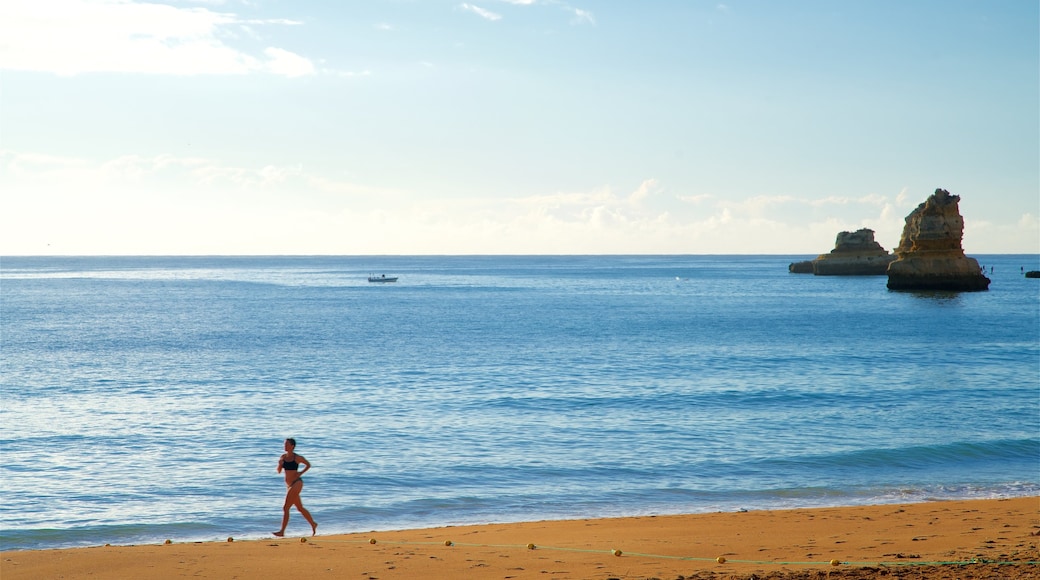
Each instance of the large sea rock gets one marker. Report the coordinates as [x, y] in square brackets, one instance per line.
[854, 254]
[930, 256]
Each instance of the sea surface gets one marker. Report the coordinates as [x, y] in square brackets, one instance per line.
[147, 398]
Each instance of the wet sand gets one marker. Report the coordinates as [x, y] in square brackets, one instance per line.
[991, 539]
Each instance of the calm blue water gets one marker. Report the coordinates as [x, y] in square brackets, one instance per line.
[148, 398]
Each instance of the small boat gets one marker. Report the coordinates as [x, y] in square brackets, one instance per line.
[382, 278]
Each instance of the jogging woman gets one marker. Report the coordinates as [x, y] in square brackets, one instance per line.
[291, 464]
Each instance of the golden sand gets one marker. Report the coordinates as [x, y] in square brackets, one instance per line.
[952, 539]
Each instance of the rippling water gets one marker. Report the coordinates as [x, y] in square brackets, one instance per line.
[147, 398]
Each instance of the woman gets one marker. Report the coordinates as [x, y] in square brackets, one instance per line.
[290, 462]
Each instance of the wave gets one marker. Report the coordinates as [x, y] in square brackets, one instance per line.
[928, 456]
[127, 534]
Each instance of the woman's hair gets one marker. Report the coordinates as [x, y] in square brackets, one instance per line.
[291, 441]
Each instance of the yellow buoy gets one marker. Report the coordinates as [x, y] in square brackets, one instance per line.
[616, 552]
[230, 539]
[721, 559]
[447, 542]
[303, 540]
[372, 541]
[835, 562]
[530, 546]
[168, 541]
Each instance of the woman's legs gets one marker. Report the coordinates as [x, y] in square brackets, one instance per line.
[292, 495]
[292, 498]
[306, 514]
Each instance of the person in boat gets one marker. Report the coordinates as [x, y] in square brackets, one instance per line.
[291, 463]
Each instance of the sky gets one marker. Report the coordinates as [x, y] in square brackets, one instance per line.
[383, 127]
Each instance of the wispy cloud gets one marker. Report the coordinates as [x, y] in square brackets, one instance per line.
[645, 189]
[582, 16]
[149, 204]
[288, 64]
[135, 37]
[485, 14]
[694, 199]
[578, 15]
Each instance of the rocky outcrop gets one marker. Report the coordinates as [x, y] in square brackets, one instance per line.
[854, 254]
[929, 256]
[805, 267]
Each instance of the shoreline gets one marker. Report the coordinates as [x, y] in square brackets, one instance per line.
[995, 538]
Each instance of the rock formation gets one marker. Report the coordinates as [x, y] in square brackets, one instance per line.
[854, 254]
[929, 256]
[801, 267]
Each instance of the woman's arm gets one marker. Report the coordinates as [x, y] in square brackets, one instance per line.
[303, 461]
[281, 460]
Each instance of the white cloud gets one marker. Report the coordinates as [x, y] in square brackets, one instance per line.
[485, 14]
[582, 16]
[166, 204]
[694, 199]
[645, 189]
[901, 197]
[285, 63]
[579, 16]
[70, 37]
[870, 199]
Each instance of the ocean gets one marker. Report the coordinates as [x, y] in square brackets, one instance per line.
[147, 398]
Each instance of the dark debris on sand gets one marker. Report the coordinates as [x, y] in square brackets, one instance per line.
[1020, 565]
[1015, 570]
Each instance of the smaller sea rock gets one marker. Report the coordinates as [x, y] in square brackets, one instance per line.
[805, 267]
[1033, 274]
[854, 254]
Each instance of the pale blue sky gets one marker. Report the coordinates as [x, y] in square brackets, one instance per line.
[512, 126]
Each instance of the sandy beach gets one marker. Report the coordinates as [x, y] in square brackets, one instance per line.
[951, 539]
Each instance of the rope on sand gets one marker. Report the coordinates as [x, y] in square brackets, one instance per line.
[718, 560]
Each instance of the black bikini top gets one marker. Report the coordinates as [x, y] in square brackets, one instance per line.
[290, 465]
